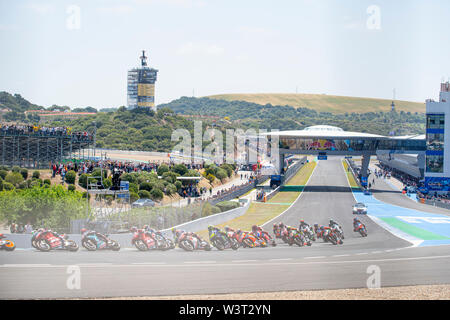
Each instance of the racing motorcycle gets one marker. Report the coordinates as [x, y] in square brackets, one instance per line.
[308, 232]
[298, 238]
[264, 235]
[221, 241]
[144, 241]
[49, 240]
[329, 235]
[188, 242]
[8, 245]
[338, 230]
[361, 229]
[161, 240]
[92, 242]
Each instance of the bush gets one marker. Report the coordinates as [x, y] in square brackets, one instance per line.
[210, 178]
[82, 180]
[221, 174]
[207, 209]
[36, 174]
[145, 186]
[178, 185]
[180, 169]
[14, 178]
[162, 168]
[36, 183]
[24, 173]
[8, 186]
[215, 210]
[133, 196]
[15, 169]
[107, 183]
[228, 168]
[71, 187]
[171, 189]
[71, 176]
[170, 176]
[227, 205]
[47, 181]
[23, 185]
[134, 188]
[1, 184]
[144, 194]
[3, 174]
[156, 194]
[128, 177]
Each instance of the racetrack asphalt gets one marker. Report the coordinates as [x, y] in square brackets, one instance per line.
[32, 274]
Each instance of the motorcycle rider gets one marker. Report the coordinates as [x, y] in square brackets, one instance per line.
[356, 223]
[180, 233]
[333, 224]
[102, 239]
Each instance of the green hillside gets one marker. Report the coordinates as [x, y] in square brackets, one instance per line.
[323, 102]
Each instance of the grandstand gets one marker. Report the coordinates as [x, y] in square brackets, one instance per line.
[28, 148]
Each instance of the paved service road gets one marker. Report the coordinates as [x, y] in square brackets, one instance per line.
[32, 274]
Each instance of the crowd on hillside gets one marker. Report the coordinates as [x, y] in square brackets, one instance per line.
[8, 129]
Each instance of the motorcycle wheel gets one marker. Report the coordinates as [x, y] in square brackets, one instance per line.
[72, 246]
[43, 245]
[140, 245]
[206, 246]
[115, 246]
[333, 240]
[187, 245]
[298, 241]
[248, 243]
[89, 245]
[9, 246]
[235, 244]
[363, 234]
[218, 244]
[170, 244]
[34, 244]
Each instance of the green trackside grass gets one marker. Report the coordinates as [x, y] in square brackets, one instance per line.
[259, 212]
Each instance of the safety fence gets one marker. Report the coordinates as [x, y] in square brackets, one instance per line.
[436, 203]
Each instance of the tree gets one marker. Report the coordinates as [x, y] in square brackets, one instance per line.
[71, 176]
[162, 169]
[180, 169]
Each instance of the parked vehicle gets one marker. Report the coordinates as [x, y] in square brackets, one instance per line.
[141, 203]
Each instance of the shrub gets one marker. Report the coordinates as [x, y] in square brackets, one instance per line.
[15, 169]
[107, 183]
[70, 177]
[3, 174]
[171, 189]
[1, 184]
[134, 188]
[47, 181]
[14, 178]
[24, 173]
[170, 176]
[145, 186]
[207, 209]
[228, 168]
[8, 186]
[178, 185]
[221, 174]
[156, 194]
[215, 210]
[82, 180]
[36, 183]
[36, 174]
[128, 177]
[133, 196]
[144, 194]
[162, 168]
[71, 187]
[180, 169]
[23, 185]
[210, 178]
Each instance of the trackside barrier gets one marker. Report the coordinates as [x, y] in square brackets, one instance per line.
[23, 241]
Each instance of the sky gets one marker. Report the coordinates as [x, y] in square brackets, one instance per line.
[77, 53]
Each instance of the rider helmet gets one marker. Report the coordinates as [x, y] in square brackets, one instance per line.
[302, 221]
[331, 221]
[133, 229]
[83, 230]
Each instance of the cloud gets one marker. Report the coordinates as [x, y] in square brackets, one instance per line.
[190, 48]
[39, 8]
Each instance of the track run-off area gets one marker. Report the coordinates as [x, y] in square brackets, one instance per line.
[408, 243]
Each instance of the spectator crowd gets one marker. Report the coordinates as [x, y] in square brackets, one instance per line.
[7, 129]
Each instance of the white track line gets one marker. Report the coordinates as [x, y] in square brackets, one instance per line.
[190, 262]
[317, 257]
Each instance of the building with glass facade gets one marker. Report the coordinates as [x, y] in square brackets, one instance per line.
[141, 86]
[437, 166]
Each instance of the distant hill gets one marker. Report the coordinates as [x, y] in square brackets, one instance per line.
[16, 103]
[324, 103]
